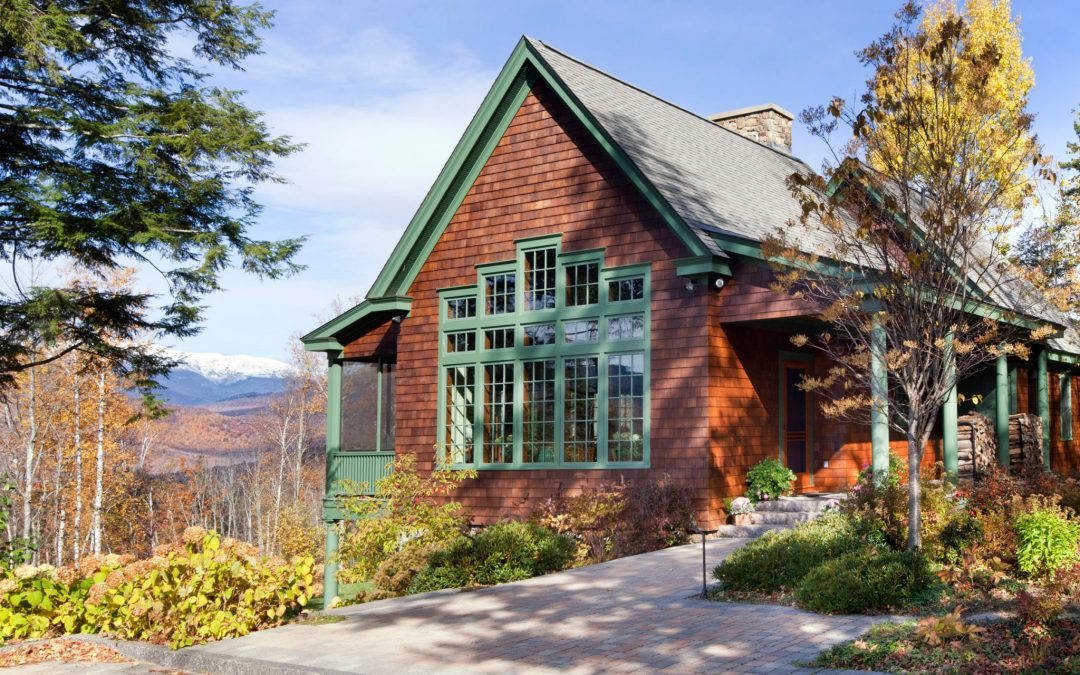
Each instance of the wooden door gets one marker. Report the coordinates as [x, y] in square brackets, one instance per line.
[796, 432]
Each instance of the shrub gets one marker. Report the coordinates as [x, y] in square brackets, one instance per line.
[868, 579]
[396, 573]
[768, 479]
[506, 551]
[779, 560]
[407, 509]
[654, 515]
[13, 550]
[205, 588]
[960, 533]
[619, 519]
[1046, 541]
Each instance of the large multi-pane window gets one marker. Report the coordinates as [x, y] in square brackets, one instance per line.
[1065, 397]
[554, 370]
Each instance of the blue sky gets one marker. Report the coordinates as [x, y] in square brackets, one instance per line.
[381, 91]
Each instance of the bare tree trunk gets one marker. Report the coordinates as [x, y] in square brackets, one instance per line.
[301, 441]
[61, 508]
[99, 465]
[916, 447]
[31, 448]
[77, 524]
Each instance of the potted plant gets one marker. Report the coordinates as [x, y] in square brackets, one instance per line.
[740, 510]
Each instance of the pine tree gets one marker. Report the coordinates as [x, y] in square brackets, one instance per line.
[113, 148]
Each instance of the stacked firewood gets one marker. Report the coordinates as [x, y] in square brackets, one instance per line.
[1025, 442]
[976, 445]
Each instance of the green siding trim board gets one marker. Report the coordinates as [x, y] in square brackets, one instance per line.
[1043, 403]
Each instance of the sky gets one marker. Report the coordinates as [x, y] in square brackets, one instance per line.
[380, 92]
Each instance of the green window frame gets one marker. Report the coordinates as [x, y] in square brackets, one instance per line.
[562, 380]
[1065, 399]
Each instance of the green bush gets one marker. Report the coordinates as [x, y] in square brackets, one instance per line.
[778, 561]
[620, 519]
[768, 479]
[869, 579]
[408, 509]
[203, 589]
[506, 551]
[396, 573]
[1046, 541]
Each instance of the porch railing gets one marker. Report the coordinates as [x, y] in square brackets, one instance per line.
[358, 468]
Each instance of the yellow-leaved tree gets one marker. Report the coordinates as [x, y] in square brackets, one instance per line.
[935, 167]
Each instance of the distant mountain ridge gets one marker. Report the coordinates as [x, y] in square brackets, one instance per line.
[203, 378]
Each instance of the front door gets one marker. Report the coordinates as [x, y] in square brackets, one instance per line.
[795, 432]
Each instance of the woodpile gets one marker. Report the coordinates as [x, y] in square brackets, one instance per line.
[1025, 442]
[976, 445]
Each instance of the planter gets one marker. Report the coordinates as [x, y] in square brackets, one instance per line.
[741, 519]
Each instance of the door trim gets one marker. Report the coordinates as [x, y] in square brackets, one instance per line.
[807, 360]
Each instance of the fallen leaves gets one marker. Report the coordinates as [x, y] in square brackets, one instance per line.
[68, 651]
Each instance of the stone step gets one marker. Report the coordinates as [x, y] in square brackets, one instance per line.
[782, 517]
[787, 504]
[748, 531]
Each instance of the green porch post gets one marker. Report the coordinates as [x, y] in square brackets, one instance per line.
[879, 407]
[1001, 409]
[333, 446]
[948, 414]
[1043, 393]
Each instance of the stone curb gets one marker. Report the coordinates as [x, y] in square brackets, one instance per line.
[198, 661]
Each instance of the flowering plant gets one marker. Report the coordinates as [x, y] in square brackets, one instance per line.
[740, 506]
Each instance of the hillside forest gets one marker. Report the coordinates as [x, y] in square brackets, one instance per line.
[89, 469]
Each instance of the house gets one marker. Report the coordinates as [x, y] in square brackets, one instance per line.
[581, 297]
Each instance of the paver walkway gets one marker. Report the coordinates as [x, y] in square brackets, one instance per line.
[632, 614]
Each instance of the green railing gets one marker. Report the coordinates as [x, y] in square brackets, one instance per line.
[357, 467]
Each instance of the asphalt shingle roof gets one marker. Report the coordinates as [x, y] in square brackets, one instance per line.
[719, 181]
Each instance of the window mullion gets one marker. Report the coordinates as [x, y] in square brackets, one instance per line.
[560, 408]
[519, 413]
[601, 409]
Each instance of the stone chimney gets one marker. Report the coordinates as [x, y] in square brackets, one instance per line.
[769, 124]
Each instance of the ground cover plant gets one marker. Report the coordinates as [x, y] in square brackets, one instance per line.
[200, 589]
[992, 545]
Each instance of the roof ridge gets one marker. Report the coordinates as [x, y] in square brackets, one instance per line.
[676, 106]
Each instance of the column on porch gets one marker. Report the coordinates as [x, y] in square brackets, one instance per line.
[333, 446]
[879, 407]
[1043, 393]
[949, 438]
[1001, 408]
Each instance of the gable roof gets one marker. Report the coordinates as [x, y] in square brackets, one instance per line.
[718, 190]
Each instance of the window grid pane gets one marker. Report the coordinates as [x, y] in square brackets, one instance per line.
[581, 331]
[461, 342]
[539, 412]
[499, 413]
[460, 388]
[499, 338]
[626, 327]
[540, 279]
[539, 334]
[461, 308]
[626, 408]
[579, 434]
[582, 284]
[499, 292]
[626, 289]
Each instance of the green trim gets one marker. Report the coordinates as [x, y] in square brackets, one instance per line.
[603, 311]
[1064, 357]
[1042, 398]
[330, 569]
[333, 415]
[786, 357]
[949, 430]
[700, 266]
[522, 71]
[1001, 409]
[355, 322]
[1065, 404]
[879, 406]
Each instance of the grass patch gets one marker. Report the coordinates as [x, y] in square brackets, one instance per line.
[1003, 646]
[347, 595]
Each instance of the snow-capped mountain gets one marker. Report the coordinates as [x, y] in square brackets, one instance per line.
[205, 377]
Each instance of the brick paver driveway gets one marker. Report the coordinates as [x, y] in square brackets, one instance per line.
[633, 614]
